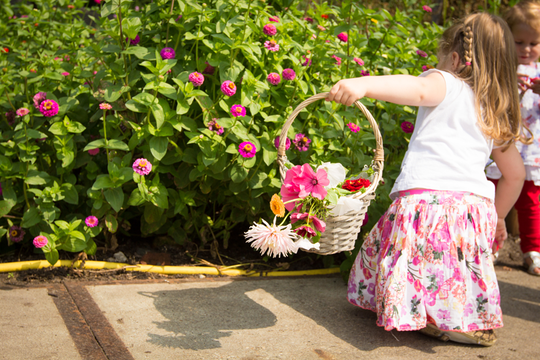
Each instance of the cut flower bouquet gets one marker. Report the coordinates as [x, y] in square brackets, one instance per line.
[308, 196]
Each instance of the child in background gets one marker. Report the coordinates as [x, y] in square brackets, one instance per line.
[426, 265]
[524, 21]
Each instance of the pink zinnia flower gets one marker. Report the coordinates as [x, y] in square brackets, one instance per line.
[305, 232]
[273, 18]
[215, 127]
[426, 67]
[426, 8]
[301, 142]
[134, 41]
[247, 149]
[142, 166]
[287, 143]
[38, 98]
[10, 117]
[105, 106]
[91, 221]
[288, 74]
[407, 127]
[270, 29]
[273, 240]
[364, 73]
[40, 241]
[338, 60]
[290, 189]
[312, 183]
[167, 53]
[309, 20]
[271, 45]
[421, 53]
[307, 61]
[320, 27]
[22, 112]
[49, 108]
[238, 110]
[228, 88]
[354, 128]
[319, 224]
[274, 78]
[343, 36]
[16, 233]
[359, 61]
[209, 69]
[65, 73]
[196, 78]
[93, 152]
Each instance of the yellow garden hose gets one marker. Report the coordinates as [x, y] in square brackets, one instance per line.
[169, 270]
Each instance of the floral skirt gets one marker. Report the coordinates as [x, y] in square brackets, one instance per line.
[428, 260]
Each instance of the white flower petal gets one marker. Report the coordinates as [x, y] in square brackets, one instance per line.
[336, 173]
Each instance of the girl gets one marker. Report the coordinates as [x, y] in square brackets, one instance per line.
[427, 263]
[524, 21]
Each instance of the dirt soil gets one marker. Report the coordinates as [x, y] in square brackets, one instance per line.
[161, 251]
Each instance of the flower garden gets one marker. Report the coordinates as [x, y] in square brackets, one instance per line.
[163, 117]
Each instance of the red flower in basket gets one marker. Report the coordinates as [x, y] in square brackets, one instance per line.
[355, 185]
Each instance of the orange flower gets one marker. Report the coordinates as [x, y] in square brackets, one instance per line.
[277, 206]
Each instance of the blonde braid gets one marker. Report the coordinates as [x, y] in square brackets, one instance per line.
[468, 39]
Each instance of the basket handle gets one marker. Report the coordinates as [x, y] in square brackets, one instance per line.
[378, 158]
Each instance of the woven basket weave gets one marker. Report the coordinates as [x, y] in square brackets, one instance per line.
[341, 231]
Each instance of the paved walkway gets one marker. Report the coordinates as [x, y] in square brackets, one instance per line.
[236, 318]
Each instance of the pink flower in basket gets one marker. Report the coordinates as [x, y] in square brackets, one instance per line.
[301, 181]
[305, 231]
[319, 224]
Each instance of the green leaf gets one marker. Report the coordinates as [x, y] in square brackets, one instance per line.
[5, 207]
[138, 51]
[71, 196]
[111, 223]
[35, 177]
[73, 244]
[115, 144]
[58, 128]
[30, 218]
[52, 256]
[91, 247]
[99, 143]
[115, 197]
[113, 93]
[136, 199]
[103, 182]
[238, 173]
[158, 147]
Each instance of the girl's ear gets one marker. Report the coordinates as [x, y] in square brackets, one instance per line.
[456, 61]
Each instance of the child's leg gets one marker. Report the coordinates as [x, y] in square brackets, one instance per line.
[528, 208]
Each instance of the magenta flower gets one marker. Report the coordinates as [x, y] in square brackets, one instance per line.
[426, 8]
[270, 29]
[209, 69]
[215, 127]
[93, 152]
[343, 36]
[338, 60]
[359, 61]
[91, 221]
[287, 143]
[274, 78]
[167, 53]
[312, 183]
[354, 128]
[271, 45]
[309, 20]
[134, 41]
[178, 18]
[273, 18]
[22, 112]
[40, 241]
[10, 117]
[49, 108]
[301, 142]
[364, 73]
[228, 88]
[421, 53]
[288, 74]
[290, 189]
[307, 61]
[16, 233]
[65, 73]
[196, 78]
[238, 110]
[105, 106]
[247, 149]
[319, 224]
[407, 127]
[142, 166]
[305, 232]
[38, 98]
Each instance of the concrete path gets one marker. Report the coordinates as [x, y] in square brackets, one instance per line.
[237, 318]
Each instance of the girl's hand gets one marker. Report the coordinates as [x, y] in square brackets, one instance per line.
[523, 82]
[347, 91]
[500, 235]
[535, 85]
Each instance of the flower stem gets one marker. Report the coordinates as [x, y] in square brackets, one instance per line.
[168, 24]
[105, 134]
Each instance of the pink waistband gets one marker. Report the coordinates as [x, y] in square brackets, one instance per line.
[421, 191]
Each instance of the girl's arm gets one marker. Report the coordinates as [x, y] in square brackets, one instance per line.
[509, 186]
[398, 89]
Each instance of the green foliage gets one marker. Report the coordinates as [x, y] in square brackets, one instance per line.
[52, 178]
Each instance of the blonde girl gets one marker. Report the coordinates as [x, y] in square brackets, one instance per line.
[427, 264]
